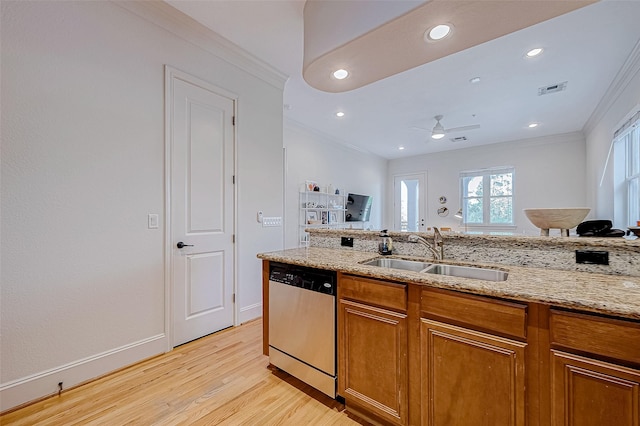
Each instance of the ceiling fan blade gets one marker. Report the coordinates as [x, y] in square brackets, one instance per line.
[463, 128]
[419, 128]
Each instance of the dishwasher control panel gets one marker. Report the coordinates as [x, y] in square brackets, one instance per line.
[312, 279]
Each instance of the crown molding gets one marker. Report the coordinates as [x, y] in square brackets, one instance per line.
[185, 27]
[627, 73]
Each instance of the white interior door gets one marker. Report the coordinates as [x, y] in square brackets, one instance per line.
[410, 202]
[202, 207]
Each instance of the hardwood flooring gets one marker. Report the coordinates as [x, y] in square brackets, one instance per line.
[221, 379]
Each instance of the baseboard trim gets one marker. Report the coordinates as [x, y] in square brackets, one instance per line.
[44, 384]
[248, 313]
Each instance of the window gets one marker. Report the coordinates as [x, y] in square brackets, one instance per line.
[487, 196]
[627, 172]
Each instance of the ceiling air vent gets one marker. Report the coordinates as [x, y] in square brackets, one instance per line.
[559, 87]
[459, 139]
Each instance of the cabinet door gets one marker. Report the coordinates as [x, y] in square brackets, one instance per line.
[469, 377]
[587, 392]
[372, 360]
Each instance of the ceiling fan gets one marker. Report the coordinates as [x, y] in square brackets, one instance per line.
[439, 131]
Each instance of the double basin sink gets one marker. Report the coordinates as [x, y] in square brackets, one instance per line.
[439, 269]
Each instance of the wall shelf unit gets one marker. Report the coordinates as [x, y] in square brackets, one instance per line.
[320, 210]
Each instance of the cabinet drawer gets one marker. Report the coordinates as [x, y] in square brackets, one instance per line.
[476, 312]
[618, 339]
[374, 292]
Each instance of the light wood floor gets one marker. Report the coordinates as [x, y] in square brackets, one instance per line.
[221, 379]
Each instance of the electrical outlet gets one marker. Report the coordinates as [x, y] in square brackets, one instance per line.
[271, 221]
[592, 257]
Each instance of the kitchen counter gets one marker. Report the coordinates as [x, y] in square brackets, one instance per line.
[617, 295]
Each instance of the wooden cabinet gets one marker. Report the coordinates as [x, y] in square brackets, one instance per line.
[588, 392]
[372, 348]
[470, 376]
[599, 383]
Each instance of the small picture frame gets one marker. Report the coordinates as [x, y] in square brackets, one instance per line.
[333, 217]
[312, 218]
[325, 217]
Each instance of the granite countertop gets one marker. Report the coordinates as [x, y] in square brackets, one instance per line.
[616, 295]
[532, 241]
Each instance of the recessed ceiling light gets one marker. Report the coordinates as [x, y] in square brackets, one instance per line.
[534, 52]
[401, 148]
[438, 32]
[474, 80]
[339, 114]
[532, 125]
[341, 74]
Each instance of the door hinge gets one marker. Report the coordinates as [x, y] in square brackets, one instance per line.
[233, 179]
[233, 298]
[233, 238]
[233, 120]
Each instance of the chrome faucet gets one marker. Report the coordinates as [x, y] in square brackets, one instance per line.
[438, 242]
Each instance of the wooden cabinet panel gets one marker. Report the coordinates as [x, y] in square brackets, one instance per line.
[593, 393]
[597, 335]
[372, 360]
[479, 313]
[469, 377]
[374, 292]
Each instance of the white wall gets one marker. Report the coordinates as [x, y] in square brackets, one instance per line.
[82, 278]
[549, 172]
[313, 156]
[620, 102]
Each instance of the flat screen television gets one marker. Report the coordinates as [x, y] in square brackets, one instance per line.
[358, 208]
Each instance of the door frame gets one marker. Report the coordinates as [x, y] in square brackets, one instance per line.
[171, 73]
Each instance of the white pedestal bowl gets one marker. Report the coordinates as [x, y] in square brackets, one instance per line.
[563, 219]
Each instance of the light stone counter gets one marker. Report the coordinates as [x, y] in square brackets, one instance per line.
[544, 252]
[611, 294]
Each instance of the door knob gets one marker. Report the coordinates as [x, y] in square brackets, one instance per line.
[181, 244]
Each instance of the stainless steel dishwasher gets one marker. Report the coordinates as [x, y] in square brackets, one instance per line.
[302, 324]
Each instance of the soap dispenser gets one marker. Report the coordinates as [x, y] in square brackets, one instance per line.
[385, 247]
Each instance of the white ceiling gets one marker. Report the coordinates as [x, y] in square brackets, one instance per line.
[586, 47]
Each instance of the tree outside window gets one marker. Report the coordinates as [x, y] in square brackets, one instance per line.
[487, 196]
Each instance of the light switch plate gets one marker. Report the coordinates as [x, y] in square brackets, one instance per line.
[152, 221]
[271, 221]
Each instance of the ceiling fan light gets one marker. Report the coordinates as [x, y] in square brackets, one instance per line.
[438, 130]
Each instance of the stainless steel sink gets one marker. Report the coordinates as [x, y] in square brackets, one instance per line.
[407, 265]
[467, 272]
[439, 269]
